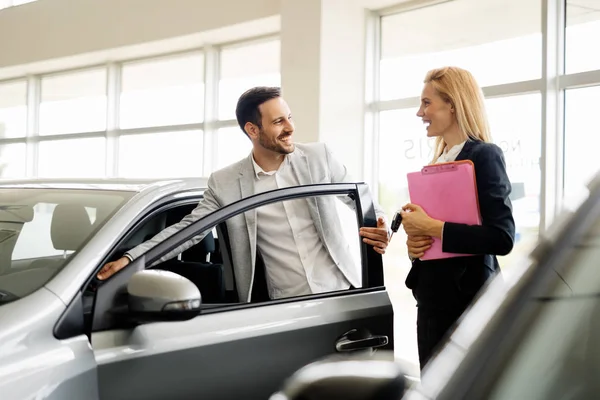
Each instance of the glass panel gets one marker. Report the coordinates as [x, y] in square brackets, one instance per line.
[243, 67]
[13, 160]
[72, 158]
[13, 109]
[44, 226]
[520, 138]
[499, 41]
[583, 25]
[166, 91]
[581, 151]
[73, 102]
[233, 144]
[294, 260]
[161, 155]
[403, 147]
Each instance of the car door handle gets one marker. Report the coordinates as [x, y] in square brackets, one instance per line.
[370, 342]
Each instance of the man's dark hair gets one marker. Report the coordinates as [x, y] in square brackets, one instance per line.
[248, 103]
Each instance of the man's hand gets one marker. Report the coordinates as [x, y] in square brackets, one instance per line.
[376, 237]
[111, 268]
[417, 245]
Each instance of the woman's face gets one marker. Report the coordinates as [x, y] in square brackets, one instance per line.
[437, 115]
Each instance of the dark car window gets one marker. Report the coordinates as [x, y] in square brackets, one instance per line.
[211, 276]
[559, 357]
[40, 230]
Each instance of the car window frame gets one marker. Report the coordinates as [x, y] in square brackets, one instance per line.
[371, 261]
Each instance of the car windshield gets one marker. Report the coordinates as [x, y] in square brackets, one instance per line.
[41, 230]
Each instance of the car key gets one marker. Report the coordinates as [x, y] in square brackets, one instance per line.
[396, 223]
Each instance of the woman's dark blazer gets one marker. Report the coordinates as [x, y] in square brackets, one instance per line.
[442, 283]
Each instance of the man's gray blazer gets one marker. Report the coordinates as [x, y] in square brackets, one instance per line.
[312, 163]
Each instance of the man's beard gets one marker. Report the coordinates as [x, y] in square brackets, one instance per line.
[274, 145]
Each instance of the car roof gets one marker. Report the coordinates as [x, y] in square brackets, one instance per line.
[120, 184]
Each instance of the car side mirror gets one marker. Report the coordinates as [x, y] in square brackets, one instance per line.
[349, 377]
[156, 295]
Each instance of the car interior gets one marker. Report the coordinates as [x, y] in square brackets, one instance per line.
[24, 276]
[202, 263]
[206, 264]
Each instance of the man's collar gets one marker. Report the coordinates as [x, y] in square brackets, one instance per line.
[258, 170]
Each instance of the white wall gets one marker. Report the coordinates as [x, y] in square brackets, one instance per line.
[323, 74]
[301, 64]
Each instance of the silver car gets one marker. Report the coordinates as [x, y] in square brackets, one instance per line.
[175, 330]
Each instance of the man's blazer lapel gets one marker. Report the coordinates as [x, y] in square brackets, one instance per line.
[299, 163]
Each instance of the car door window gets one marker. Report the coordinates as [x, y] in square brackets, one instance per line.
[294, 256]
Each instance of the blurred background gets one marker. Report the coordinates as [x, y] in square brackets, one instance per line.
[147, 89]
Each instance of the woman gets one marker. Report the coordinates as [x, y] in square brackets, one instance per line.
[452, 107]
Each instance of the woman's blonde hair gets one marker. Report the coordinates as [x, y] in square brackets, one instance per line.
[459, 88]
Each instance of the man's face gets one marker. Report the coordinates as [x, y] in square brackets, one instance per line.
[277, 126]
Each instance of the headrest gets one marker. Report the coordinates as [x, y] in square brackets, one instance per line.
[199, 251]
[71, 226]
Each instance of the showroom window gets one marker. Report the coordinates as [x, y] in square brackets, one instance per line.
[233, 146]
[583, 29]
[502, 43]
[142, 118]
[13, 160]
[73, 102]
[491, 34]
[582, 141]
[167, 91]
[245, 66]
[13, 109]
[57, 158]
[161, 155]
[13, 125]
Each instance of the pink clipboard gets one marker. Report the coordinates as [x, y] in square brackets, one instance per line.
[447, 192]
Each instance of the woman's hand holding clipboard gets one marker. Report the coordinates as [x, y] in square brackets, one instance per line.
[445, 192]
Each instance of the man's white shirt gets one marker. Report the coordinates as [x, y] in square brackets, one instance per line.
[296, 261]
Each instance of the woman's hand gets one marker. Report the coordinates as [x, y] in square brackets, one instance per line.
[416, 222]
[417, 245]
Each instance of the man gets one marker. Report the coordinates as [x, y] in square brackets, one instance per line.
[276, 162]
